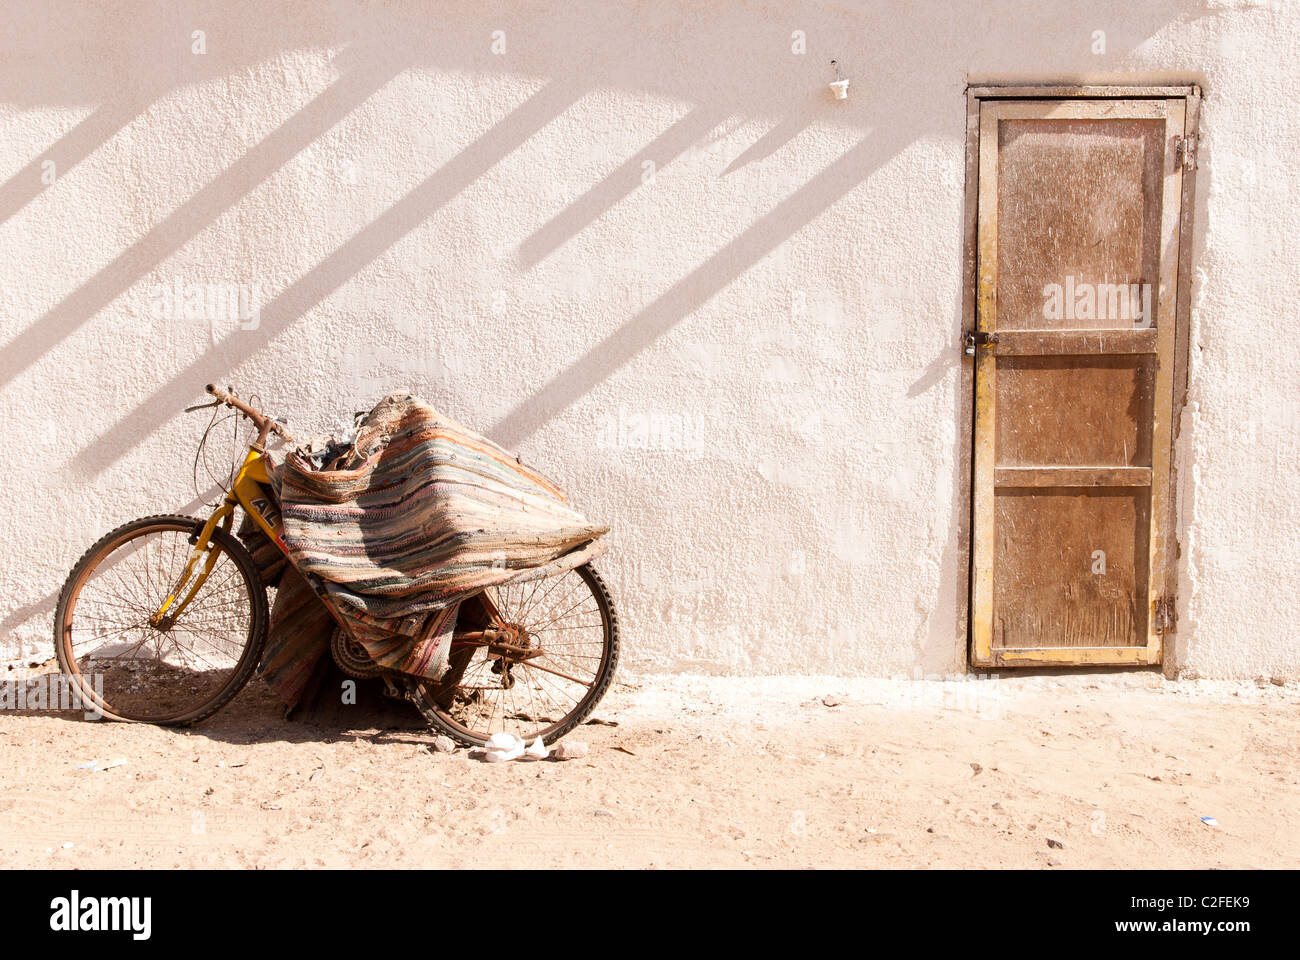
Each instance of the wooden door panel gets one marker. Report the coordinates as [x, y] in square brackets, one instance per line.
[1075, 411]
[1078, 198]
[1077, 268]
[1070, 563]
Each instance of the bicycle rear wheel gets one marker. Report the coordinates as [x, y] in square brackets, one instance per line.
[571, 633]
[174, 674]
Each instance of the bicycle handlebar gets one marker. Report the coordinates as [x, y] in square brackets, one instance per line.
[263, 423]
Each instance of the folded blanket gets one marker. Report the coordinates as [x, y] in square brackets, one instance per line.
[398, 528]
[421, 513]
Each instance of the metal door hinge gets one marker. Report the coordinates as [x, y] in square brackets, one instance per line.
[977, 338]
[1163, 615]
[1185, 152]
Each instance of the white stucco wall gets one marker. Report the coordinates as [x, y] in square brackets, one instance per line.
[779, 294]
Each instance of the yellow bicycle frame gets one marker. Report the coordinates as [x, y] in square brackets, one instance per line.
[247, 491]
[250, 490]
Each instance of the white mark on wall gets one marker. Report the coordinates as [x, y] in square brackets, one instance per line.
[226, 305]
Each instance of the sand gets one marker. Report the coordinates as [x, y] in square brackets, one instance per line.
[1082, 770]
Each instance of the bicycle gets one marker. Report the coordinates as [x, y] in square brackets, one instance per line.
[164, 620]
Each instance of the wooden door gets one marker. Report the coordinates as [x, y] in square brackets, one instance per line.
[1076, 277]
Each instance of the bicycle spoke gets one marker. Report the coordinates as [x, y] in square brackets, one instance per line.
[153, 673]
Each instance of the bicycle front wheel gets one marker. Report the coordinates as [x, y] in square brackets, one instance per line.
[569, 630]
[134, 669]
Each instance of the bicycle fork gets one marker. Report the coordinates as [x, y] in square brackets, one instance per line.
[245, 490]
[165, 617]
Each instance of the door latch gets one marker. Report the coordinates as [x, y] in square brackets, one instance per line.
[977, 338]
[1163, 615]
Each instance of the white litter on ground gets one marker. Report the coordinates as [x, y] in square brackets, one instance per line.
[502, 747]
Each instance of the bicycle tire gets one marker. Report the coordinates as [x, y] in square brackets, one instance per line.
[105, 547]
[425, 695]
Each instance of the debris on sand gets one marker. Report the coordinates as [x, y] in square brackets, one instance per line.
[96, 767]
[571, 750]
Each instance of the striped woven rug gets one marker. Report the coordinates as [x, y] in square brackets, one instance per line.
[422, 513]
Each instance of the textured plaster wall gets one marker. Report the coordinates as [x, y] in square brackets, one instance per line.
[640, 244]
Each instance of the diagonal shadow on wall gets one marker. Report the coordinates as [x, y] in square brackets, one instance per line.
[70, 149]
[597, 201]
[332, 272]
[782, 132]
[363, 77]
[700, 285]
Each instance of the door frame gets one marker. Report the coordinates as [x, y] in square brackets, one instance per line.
[976, 94]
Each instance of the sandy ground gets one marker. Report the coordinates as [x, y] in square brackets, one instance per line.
[1118, 769]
